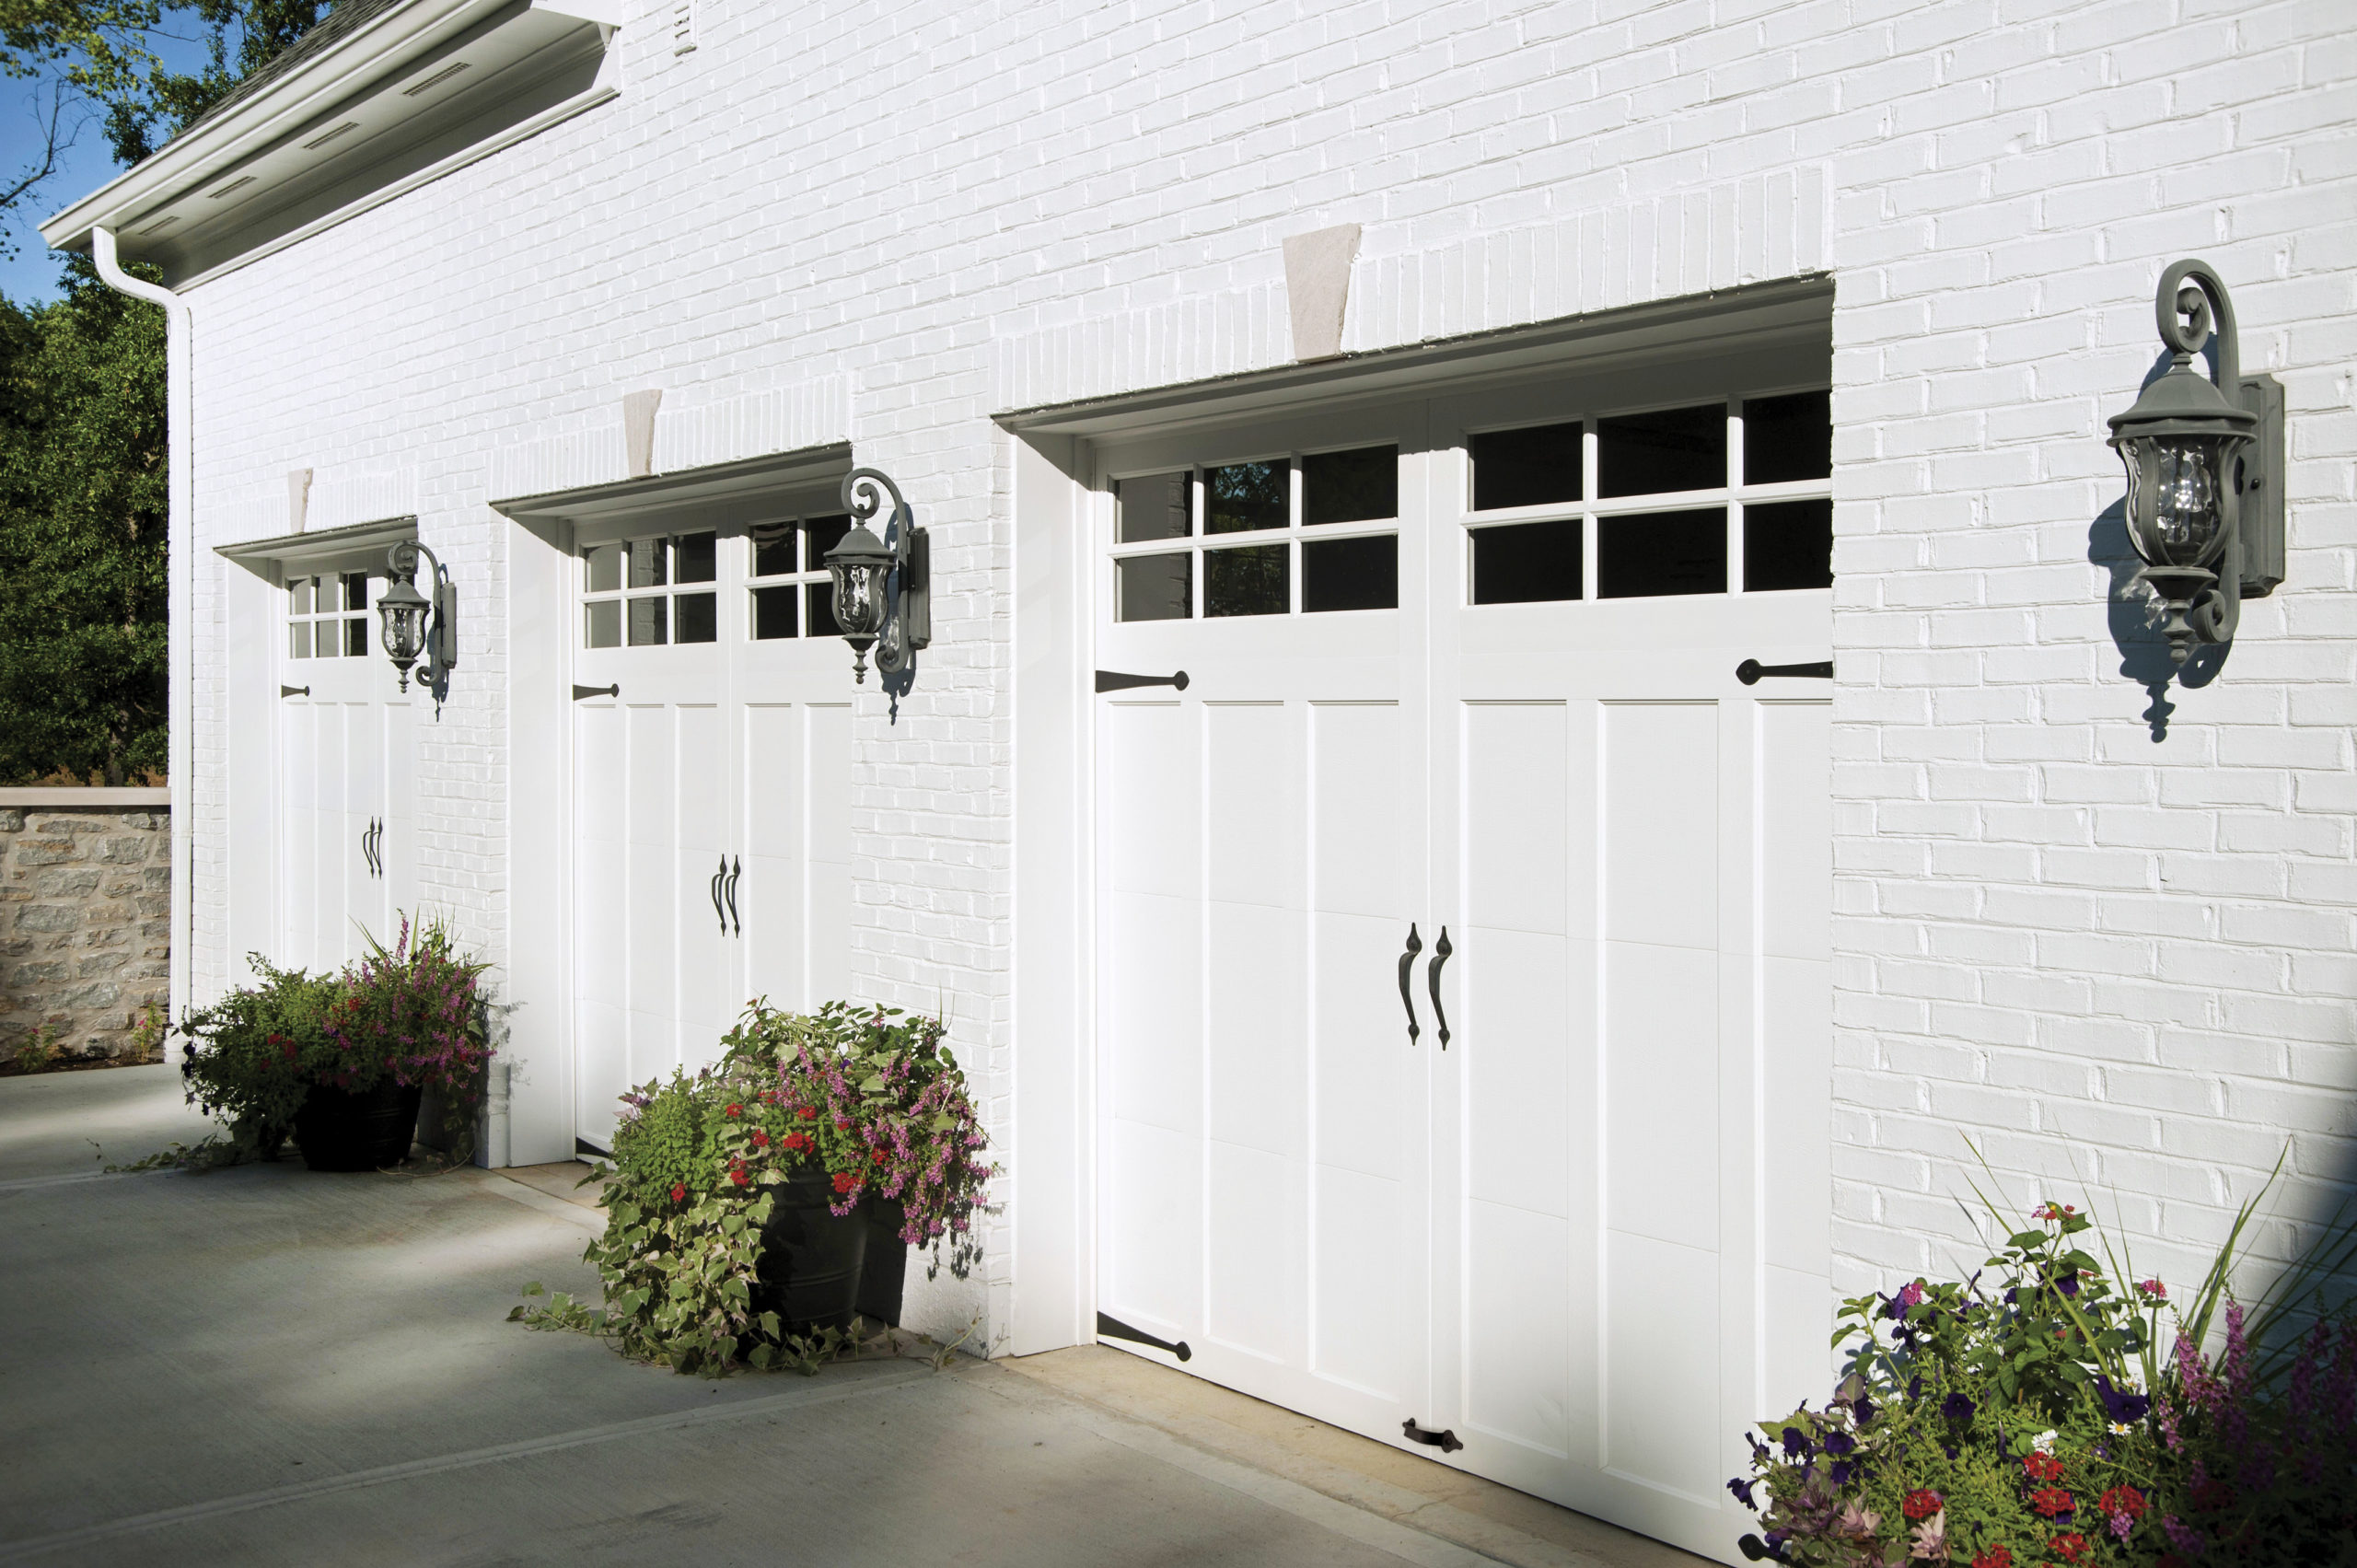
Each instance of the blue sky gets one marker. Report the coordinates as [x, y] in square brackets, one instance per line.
[30, 274]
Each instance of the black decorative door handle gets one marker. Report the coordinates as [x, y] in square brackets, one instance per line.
[729, 888]
[1441, 951]
[1752, 669]
[376, 847]
[717, 914]
[1114, 680]
[1108, 1328]
[581, 692]
[294, 691]
[1407, 998]
[370, 836]
[1444, 1440]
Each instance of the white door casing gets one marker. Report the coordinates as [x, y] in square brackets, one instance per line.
[711, 808]
[1604, 1274]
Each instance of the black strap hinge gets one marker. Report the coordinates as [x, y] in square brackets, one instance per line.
[1109, 1328]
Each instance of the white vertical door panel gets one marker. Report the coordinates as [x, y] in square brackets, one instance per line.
[601, 993]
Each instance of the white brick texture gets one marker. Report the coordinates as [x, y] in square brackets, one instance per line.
[2111, 939]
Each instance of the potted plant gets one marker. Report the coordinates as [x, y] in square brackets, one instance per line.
[744, 1200]
[340, 1062]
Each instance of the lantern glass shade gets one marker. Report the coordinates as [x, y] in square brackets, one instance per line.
[2176, 495]
[860, 565]
[403, 610]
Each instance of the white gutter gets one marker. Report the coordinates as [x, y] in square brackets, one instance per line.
[179, 567]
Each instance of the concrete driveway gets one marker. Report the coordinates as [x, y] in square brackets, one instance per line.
[265, 1366]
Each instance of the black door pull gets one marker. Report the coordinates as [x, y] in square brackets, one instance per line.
[1441, 951]
[1446, 1441]
[1752, 669]
[1114, 680]
[1407, 998]
[729, 888]
[717, 914]
[1109, 1328]
[613, 691]
[294, 691]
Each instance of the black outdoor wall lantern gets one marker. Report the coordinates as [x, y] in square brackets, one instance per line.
[415, 626]
[2205, 469]
[883, 592]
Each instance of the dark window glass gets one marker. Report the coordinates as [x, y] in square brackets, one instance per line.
[1525, 468]
[1787, 544]
[645, 621]
[699, 618]
[1525, 563]
[1255, 580]
[603, 625]
[1677, 448]
[773, 612]
[645, 563]
[1152, 506]
[818, 610]
[692, 558]
[1350, 573]
[1351, 487]
[1244, 496]
[355, 590]
[299, 595]
[773, 550]
[1156, 588]
[825, 534]
[298, 638]
[1661, 552]
[1788, 438]
[602, 567]
[355, 639]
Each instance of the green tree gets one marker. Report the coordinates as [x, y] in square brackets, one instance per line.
[82, 519]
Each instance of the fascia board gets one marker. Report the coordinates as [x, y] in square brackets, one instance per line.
[281, 107]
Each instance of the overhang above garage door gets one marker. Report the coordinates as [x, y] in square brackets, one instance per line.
[360, 548]
[715, 496]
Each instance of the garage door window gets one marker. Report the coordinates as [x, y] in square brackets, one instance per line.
[1309, 533]
[328, 617]
[792, 596]
[1657, 501]
[629, 592]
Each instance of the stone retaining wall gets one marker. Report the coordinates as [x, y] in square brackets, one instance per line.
[85, 896]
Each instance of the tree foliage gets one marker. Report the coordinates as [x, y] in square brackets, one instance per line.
[82, 517]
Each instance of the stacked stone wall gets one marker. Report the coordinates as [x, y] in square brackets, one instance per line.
[85, 925]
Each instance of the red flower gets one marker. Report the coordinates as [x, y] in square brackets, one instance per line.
[2042, 1467]
[843, 1123]
[2071, 1548]
[761, 1139]
[845, 1181]
[807, 1112]
[290, 1051]
[2125, 1500]
[679, 1192]
[2154, 1289]
[2052, 1502]
[740, 1178]
[734, 1110]
[798, 1142]
[883, 1156]
[1996, 1557]
[1922, 1504]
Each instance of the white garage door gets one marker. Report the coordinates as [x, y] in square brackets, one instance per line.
[346, 744]
[712, 755]
[1463, 923]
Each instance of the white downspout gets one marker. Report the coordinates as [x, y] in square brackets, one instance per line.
[179, 567]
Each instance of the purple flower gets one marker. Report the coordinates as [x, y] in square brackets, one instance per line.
[1839, 1443]
[1796, 1444]
[1956, 1407]
[2123, 1408]
[1742, 1490]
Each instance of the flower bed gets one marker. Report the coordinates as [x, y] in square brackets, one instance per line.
[867, 1096]
[2030, 1416]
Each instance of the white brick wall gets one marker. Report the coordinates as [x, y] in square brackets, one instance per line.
[2102, 956]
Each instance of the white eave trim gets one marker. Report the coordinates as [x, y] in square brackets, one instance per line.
[337, 549]
[248, 129]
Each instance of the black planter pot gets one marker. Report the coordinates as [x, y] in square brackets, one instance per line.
[341, 1130]
[810, 1258]
[888, 1262]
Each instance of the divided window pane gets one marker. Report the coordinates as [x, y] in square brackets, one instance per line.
[647, 621]
[695, 558]
[1156, 588]
[1788, 438]
[1350, 573]
[1661, 552]
[1787, 544]
[1645, 454]
[355, 590]
[1361, 486]
[818, 607]
[1254, 580]
[824, 534]
[773, 614]
[773, 550]
[1151, 507]
[299, 596]
[602, 623]
[645, 559]
[698, 618]
[1527, 562]
[299, 637]
[602, 568]
[1241, 497]
[1526, 467]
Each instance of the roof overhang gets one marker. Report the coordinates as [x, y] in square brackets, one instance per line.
[401, 86]
[719, 495]
[357, 549]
